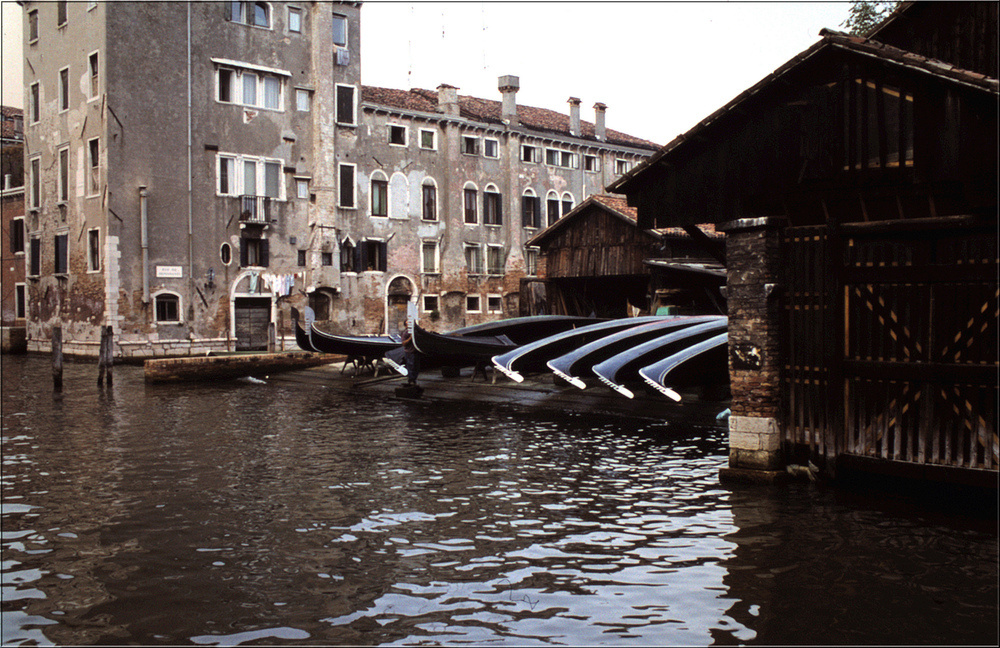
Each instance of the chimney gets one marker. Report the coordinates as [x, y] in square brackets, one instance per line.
[574, 116]
[509, 85]
[447, 99]
[599, 109]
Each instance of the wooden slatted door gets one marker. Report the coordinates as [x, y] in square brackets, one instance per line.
[252, 315]
[920, 347]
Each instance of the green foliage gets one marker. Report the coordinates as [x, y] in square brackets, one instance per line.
[864, 16]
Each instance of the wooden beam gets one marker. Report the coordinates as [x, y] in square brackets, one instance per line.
[709, 245]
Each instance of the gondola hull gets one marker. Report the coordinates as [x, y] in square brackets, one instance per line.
[370, 347]
[704, 362]
[458, 351]
[524, 330]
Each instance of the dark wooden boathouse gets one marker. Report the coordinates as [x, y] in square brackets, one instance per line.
[596, 260]
[857, 186]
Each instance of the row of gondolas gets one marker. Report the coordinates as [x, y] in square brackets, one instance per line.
[665, 353]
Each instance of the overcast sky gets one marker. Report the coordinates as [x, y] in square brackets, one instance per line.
[659, 66]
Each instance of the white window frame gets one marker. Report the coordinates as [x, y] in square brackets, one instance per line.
[354, 185]
[436, 269]
[238, 70]
[379, 175]
[562, 203]
[490, 269]
[34, 259]
[492, 189]
[499, 298]
[597, 163]
[63, 176]
[180, 308]
[32, 27]
[91, 4]
[93, 264]
[423, 303]
[496, 148]
[354, 104]
[62, 6]
[433, 134]
[472, 271]
[35, 99]
[299, 94]
[55, 252]
[430, 182]
[237, 187]
[35, 187]
[479, 303]
[245, 7]
[301, 183]
[64, 90]
[406, 134]
[93, 179]
[622, 166]
[94, 76]
[347, 31]
[530, 193]
[297, 11]
[470, 139]
[531, 251]
[20, 300]
[24, 233]
[566, 159]
[536, 153]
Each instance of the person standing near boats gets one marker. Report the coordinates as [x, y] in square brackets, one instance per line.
[412, 360]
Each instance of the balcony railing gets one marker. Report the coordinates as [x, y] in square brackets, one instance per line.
[255, 210]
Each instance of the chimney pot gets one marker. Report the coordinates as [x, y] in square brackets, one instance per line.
[574, 116]
[509, 85]
[599, 130]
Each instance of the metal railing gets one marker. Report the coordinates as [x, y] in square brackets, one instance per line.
[255, 209]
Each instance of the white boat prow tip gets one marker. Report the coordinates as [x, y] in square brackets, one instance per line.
[573, 380]
[666, 391]
[615, 386]
[513, 375]
[398, 367]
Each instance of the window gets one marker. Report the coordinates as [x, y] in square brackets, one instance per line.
[301, 258]
[32, 26]
[380, 195]
[20, 301]
[326, 258]
[254, 252]
[249, 177]
[227, 176]
[530, 154]
[621, 167]
[345, 104]
[226, 77]
[397, 135]
[430, 303]
[491, 148]
[303, 100]
[61, 10]
[373, 255]
[91, 4]
[250, 88]
[346, 195]
[492, 206]
[429, 200]
[272, 179]
[429, 257]
[474, 258]
[470, 200]
[339, 30]
[35, 257]
[36, 104]
[257, 14]
[94, 166]
[93, 64]
[494, 304]
[61, 260]
[93, 250]
[428, 139]
[63, 195]
[531, 210]
[226, 253]
[301, 188]
[260, 176]
[470, 145]
[295, 20]
[473, 304]
[531, 261]
[567, 203]
[348, 260]
[494, 259]
[272, 93]
[591, 163]
[17, 235]
[552, 207]
[167, 308]
[64, 89]
[563, 159]
[36, 182]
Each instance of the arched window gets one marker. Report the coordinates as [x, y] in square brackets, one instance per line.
[428, 200]
[531, 209]
[399, 195]
[567, 203]
[380, 195]
[167, 308]
[492, 206]
[552, 207]
[348, 257]
[470, 203]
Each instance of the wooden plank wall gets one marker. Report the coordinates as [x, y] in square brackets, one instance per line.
[598, 245]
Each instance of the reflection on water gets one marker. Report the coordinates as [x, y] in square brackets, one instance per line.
[236, 513]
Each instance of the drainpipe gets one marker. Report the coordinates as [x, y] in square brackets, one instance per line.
[190, 173]
[144, 226]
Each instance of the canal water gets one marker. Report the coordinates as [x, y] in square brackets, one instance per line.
[280, 513]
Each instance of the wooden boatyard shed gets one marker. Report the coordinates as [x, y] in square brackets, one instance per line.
[857, 186]
[596, 260]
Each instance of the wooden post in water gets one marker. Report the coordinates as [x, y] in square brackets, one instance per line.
[57, 359]
[106, 357]
[270, 337]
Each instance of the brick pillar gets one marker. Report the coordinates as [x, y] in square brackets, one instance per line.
[755, 265]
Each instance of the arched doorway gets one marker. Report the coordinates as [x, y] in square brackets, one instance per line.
[398, 294]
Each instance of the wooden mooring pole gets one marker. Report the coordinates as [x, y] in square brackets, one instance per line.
[106, 358]
[57, 359]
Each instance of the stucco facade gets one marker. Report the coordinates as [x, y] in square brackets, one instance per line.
[195, 170]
